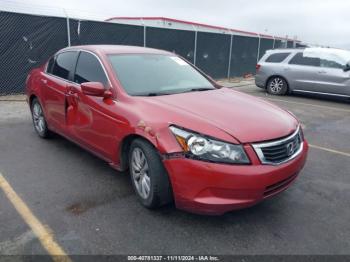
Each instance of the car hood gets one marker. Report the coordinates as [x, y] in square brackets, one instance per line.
[244, 117]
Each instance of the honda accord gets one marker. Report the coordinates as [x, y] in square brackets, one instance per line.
[181, 136]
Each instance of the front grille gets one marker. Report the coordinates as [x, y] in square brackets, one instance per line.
[280, 151]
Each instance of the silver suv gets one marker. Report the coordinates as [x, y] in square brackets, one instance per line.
[311, 70]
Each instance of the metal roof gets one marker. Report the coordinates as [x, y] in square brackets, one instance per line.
[167, 19]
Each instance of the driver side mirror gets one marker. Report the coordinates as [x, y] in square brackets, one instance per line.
[95, 89]
[347, 67]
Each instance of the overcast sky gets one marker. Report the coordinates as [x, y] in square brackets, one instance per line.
[313, 21]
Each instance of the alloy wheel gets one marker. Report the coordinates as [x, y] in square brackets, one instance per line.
[276, 85]
[140, 173]
[38, 118]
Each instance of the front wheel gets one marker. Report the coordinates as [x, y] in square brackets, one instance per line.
[277, 86]
[148, 175]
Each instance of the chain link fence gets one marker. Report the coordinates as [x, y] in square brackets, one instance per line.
[178, 41]
[27, 41]
[95, 33]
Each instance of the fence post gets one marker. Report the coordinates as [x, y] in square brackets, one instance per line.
[195, 45]
[68, 26]
[144, 32]
[229, 58]
[286, 45]
[257, 57]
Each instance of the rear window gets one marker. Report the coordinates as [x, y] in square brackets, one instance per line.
[277, 58]
[50, 65]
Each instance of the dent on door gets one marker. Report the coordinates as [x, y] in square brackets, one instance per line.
[90, 122]
[76, 115]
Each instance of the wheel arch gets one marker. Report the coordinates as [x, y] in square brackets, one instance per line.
[125, 147]
[31, 98]
[281, 76]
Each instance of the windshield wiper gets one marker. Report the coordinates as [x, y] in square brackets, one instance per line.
[173, 93]
[198, 89]
[155, 94]
[201, 89]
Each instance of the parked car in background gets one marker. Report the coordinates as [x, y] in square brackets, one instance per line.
[324, 71]
[180, 135]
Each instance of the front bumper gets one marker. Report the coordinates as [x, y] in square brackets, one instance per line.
[211, 188]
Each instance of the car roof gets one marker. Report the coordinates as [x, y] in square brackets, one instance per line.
[116, 49]
[284, 50]
[298, 49]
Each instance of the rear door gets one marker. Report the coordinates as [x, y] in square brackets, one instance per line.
[54, 88]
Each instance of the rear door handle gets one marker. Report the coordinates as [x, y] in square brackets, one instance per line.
[44, 81]
[322, 72]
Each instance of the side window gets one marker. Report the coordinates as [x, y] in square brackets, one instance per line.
[64, 64]
[277, 58]
[89, 69]
[332, 62]
[301, 59]
[50, 65]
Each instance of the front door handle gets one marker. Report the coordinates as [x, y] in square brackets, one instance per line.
[44, 81]
[322, 72]
[73, 94]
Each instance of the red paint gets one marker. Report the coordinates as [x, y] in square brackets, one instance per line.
[215, 188]
[93, 89]
[101, 121]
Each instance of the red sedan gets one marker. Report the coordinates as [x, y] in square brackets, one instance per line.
[181, 136]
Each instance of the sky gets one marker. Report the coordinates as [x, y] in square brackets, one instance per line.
[313, 21]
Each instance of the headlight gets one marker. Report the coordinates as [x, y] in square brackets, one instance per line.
[205, 148]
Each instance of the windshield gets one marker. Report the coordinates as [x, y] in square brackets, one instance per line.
[344, 54]
[329, 56]
[152, 74]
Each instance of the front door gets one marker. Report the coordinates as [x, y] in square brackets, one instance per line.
[333, 78]
[90, 119]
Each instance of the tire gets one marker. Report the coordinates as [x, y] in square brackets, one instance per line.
[39, 121]
[277, 86]
[143, 156]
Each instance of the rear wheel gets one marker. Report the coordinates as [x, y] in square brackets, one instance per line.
[277, 86]
[39, 121]
[148, 175]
